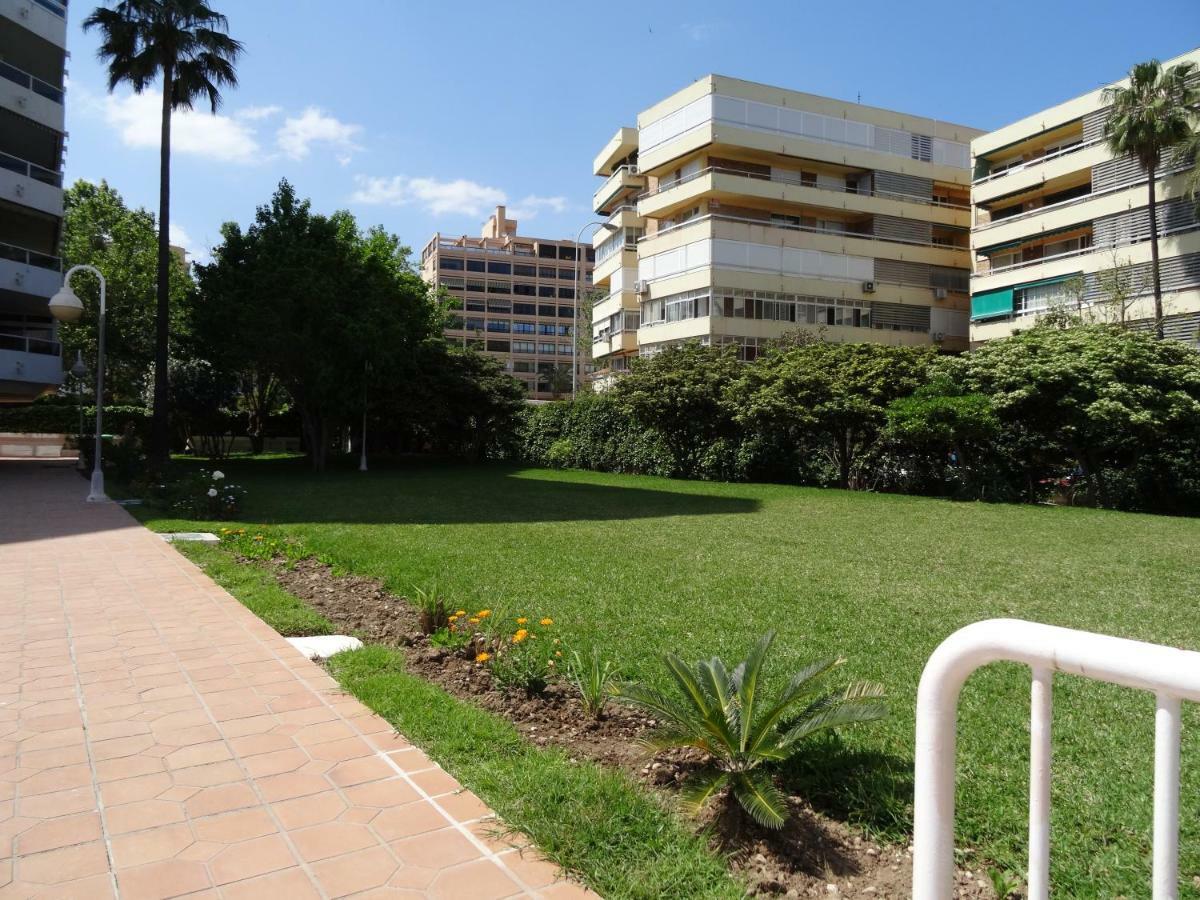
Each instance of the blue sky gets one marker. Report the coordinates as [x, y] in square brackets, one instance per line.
[423, 116]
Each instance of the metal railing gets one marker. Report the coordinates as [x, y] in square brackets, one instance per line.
[613, 184]
[59, 9]
[13, 253]
[1082, 251]
[30, 170]
[789, 226]
[31, 82]
[1172, 675]
[797, 182]
[1029, 164]
[25, 344]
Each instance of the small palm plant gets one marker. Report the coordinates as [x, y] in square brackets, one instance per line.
[595, 679]
[721, 713]
[432, 613]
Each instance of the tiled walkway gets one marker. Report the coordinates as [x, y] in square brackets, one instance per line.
[157, 739]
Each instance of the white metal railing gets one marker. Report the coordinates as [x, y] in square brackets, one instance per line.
[1081, 251]
[30, 170]
[789, 226]
[1171, 674]
[1029, 164]
[612, 185]
[28, 257]
[797, 182]
[31, 82]
[23, 343]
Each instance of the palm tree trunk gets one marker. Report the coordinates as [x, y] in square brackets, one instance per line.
[1153, 210]
[160, 434]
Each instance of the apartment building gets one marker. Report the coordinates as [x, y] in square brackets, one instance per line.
[737, 212]
[1058, 221]
[33, 40]
[518, 300]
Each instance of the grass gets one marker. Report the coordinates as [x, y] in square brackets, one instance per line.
[591, 821]
[641, 565]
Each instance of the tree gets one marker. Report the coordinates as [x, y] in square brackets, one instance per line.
[833, 396]
[1147, 118]
[100, 230]
[333, 313]
[186, 44]
[681, 394]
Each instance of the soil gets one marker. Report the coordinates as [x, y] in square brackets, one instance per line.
[813, 855]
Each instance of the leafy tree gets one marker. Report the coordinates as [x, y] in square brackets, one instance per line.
[1095, 396]
[832, 395]
[333, 313]
[1148, 117]
[468, 404]
[186, 44]
[202, 400]
[99, 229]
[681, 394]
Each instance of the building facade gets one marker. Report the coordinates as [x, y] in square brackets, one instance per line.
[518, 300]
[33, 40]
[736, 213]
[1058, 221]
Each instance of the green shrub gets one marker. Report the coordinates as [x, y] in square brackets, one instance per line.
[62, 417]
[595, 680]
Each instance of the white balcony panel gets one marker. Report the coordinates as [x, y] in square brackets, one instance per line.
[38, 18]
[26, 279]
[721, 253]
[37, 370]
[25, 191]
[950, 322]
[25, 102]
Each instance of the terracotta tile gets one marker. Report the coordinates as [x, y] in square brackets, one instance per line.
[354, 872]
[464, 806]
[416, 878]
[51, 781]
[383, 794]
[231, 827]
[435, 782]
[276, 762]
[66, 864]
[531, 869]
[479, 880]
[129, 767]
[436, 849]
[209, 775]
[359, 771]
[214, 800]
[169, 878]
[290, 883]
[142, 814]
[59, 803]
[198, 755]
[310, 810]
[61, 832]
[254, 744]
[127, 790]
[408, 820]
[285, 787]
[152, 845]
[248, 859]
[567, 890]
[339, 751]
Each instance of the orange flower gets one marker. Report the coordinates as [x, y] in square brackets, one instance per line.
[522, 621]
[482, 657]
[547, 621]
[473, 620]
[520, 635]
[484, 613]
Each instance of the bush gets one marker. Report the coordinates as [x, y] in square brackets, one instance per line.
[58, 416]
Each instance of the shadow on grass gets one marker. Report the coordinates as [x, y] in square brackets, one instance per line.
[865, 787]
[421, 492]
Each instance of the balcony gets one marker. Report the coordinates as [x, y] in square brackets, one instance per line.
[624, 181]
[45, 18]
[31, 97]
[28, 272]
[28, 184]
[29, 367]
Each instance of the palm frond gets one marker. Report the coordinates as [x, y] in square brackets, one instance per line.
[700, 787]
[862, 702]
[799, 686]
[759, 796]
[747, 675]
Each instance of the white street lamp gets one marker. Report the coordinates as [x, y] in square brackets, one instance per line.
[66, 307]
[575, 318]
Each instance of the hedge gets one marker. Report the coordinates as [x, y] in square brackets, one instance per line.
[62, 418]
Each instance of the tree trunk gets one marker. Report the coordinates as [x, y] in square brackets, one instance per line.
[160, 434]
[843, 454]
[1153, 211]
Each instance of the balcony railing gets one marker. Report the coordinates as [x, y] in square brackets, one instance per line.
[59, 9]
[788, 226]
[983, 270]
[17, 254]
[25, 80]
[24, 344]
[1029, 164]
[30, 170]
[796, 182]
[613, 184]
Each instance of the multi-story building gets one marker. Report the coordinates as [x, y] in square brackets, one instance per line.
[33, 40]
[1060, 221]
[762, 211]
[518, 300]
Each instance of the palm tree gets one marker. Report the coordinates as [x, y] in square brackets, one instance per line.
[1146, 118]
[186, 44]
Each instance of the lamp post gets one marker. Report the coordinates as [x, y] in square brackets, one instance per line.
[67, 307]
[575, 308]
[79, 372]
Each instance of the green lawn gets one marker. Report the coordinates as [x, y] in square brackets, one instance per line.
[641, 565]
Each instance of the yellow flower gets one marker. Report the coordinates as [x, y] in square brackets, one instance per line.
[454, 618]
[484, 613]
[547, 621]
[558, 653]
[482, 657]
[522, 621]
[258, 537]
[473, 620]
[520, 635]
[461, 612]
[550, 663]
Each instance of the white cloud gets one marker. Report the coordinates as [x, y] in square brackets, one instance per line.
[180, 238]
[313, 126]
[257, 113]
[461, 195]
[528, 207]
[137, 119]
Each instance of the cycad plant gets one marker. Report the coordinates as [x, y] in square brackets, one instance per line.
[723, 714]
[1147, 117]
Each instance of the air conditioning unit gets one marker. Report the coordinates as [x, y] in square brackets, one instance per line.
[939, 293]
[641, 287]
[939, 336]
[868, 287]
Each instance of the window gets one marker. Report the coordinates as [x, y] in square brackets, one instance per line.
[566, 274]
[1037, 298]
[523, 269]
[591, 255]
[546, 348]
[501, 326]
[499, 287]
[546, 328]
[565, 312]
[474, 324]
[547, 251]
[475, 265]
[546, 290]
[497, 346]
[564, 330]
[548, 272]
[566, 253]
[450, 263]
[502, 306]
[522, 346]
[499, 268]
[523, 328]
[525, 290]
[455, 323]
[808, 179]
[566, 293]
[452, 283]
[475, 306]
[544, 310]
[525, 309]
[522, 365]
[564, 349]
[474, 285]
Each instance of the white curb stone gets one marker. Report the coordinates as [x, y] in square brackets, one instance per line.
[324, 646]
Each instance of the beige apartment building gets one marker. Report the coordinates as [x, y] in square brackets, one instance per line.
[1058, 221]
[518, 300]
[737, 212]
[33, 40]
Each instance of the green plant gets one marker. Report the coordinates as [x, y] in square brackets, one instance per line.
[431, 609]
[260, 545]
[204, 495]
[595, 678]
[720, 713]
[1004, 883]
[528, 658]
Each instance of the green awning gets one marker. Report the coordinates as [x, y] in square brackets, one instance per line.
[992, 304]
[994, 247]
